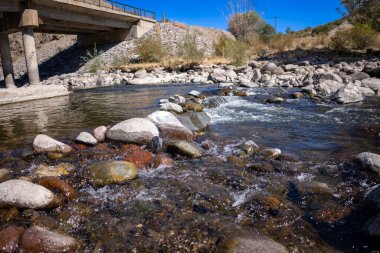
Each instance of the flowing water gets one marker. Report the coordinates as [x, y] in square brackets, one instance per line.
[308, 200]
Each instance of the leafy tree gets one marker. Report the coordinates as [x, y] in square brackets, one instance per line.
[289, 30]
[363, 11]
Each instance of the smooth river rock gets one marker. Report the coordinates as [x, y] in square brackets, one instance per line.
[86, 138]
[25, 194]
[160, 118]
[136, 130]
[45, 144]
[171, 107]
[185, 148]
[111, 172]
[373, 83]
[369, 161]
[40, 240]
[100, 133]
[195, 121]
[9, 238]
[255, 244]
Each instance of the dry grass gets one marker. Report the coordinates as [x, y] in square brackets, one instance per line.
[216, 61]
[181, 25]
[137, 66]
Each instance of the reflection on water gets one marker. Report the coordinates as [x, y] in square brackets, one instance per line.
[64, 117]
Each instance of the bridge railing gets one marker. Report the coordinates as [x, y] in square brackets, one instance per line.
[121, 7]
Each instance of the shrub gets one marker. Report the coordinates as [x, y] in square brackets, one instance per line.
[188, 49]
[150, 49]
[339, 40]
[119, 60]
[237, 51]
[92, 58]
[281, 42]
[360, 36]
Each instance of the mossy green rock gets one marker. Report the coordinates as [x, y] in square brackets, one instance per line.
[111, 172]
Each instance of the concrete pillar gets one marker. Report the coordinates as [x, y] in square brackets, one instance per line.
[30, 55]
[6, 60]
[29, 20]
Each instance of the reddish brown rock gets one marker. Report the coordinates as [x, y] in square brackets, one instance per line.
[163, 161]
[332, 215]
[176, 133]
[79, 146]
[39, 240]
[52, 183]
[9, 239]
[44, 221]
[141, 158]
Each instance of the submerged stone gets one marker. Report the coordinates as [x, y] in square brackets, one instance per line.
[111, 172]
[185, 148]
[9, 238]
[39, 240]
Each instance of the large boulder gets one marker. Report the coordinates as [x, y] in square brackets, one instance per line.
[372, 83]
[348, 94]
[25, 194]
[329, 87]
[141, 73]
[272, 69]
[328, 76]
[40, 240]
[136, 130]
[111, 172]
[195, 121]
[160, 118]
[45, 144]
[369, 161]
[359, 76]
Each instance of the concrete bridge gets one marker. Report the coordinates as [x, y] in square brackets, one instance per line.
[97, 21]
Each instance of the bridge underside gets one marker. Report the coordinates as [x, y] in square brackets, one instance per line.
[99, 23]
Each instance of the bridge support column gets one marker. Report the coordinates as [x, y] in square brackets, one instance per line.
[29, 19]
[31, 55]
[6, 60]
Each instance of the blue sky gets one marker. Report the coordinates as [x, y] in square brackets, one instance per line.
[297, 14]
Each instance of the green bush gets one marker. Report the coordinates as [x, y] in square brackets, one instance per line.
[119, 60]
[92, 59]
[150, 50]
[360, 36]
[245, 26]
[188, 49]
[339, 40]
[234, 50]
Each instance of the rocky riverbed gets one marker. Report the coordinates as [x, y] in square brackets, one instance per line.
[199, 176]
[344, 82]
